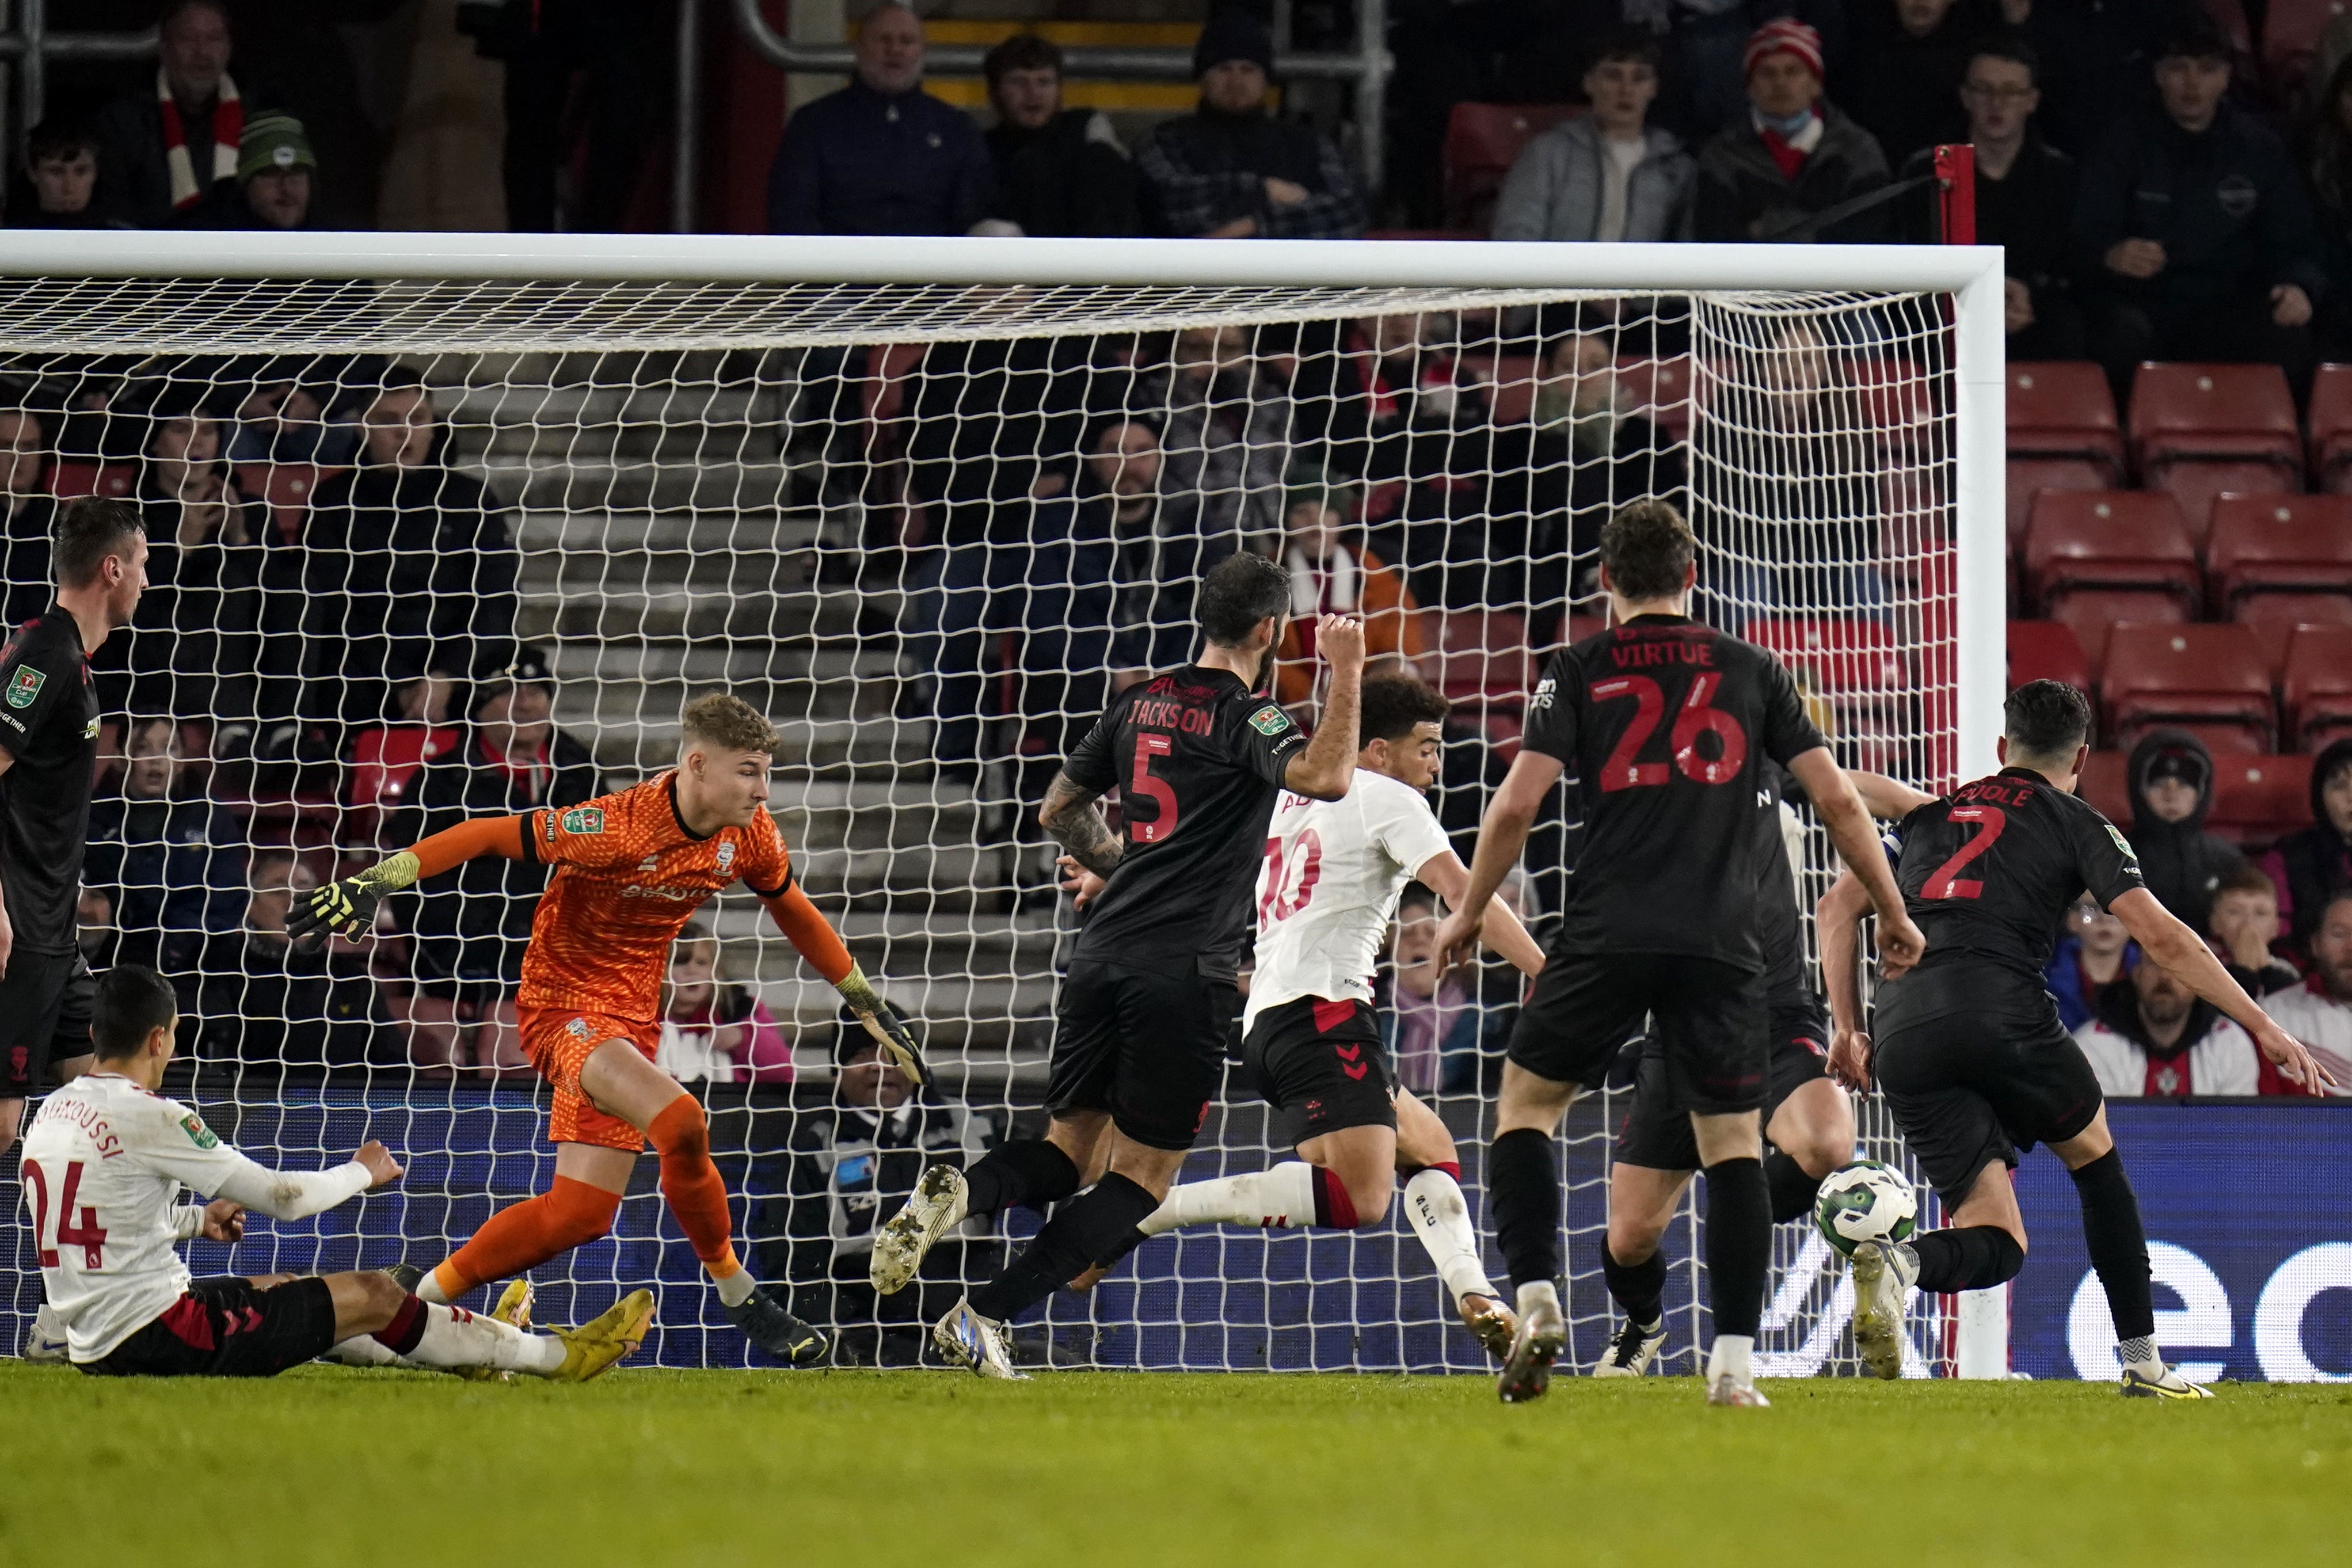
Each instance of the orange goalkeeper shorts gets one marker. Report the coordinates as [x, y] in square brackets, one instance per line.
[557, 1041]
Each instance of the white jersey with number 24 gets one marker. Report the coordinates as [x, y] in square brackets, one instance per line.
[1333, 872]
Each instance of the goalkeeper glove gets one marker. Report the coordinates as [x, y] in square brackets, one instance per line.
[347, 908]
[889, 1031]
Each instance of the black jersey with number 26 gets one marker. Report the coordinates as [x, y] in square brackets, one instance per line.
[1197, 760]
[1665, 723]
[1987, 872]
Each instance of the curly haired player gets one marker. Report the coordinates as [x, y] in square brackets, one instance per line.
[630, 869]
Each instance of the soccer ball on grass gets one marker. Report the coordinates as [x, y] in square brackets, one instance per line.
[1866, 1201]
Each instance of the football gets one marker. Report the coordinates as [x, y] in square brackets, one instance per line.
[1866, 1201]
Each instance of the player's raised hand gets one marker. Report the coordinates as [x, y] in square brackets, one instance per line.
[224, 1220]
[381, 1168]
[344, 909]
[1900, 944]
[2293, 1059]
[1457, 940]
[1340, 640]
[1083, 884]
[1850, 1059]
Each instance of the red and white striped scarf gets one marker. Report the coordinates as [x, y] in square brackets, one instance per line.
[228, 130]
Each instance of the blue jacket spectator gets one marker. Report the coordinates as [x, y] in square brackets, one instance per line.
[2094, 952]
[880, 156]
[171, 861]
[1231, 171]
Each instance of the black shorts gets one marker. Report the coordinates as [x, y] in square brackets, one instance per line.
[1657, 1137]
[1149, 1048]
[1968, 1088]
[226, 1327]
[1709, 1018]
[1322, 1066]
[44, 1018]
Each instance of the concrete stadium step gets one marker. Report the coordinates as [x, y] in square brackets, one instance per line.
[621, 485]
[662, 533]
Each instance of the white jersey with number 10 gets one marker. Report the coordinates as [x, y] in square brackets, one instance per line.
[1333, 872]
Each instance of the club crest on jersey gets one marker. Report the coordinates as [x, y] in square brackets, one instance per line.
[25, 687]
[650, 863]
[726, 854]
[584, 819]
[198, 1134]
[2131, 856]
[1267, 720]
[578, 1026]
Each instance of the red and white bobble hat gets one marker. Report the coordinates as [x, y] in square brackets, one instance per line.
[1786, 35]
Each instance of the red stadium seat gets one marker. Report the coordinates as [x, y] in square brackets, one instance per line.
[1898, 400]
[2263, 545]
[71, 478]
[2110, 540]
[2095, 612]
[2064, 409]
[285, 488]
[1841, 656]
[1661, 390]
[2028, 477]
[2258, 799]
[2318, 685]
[2191, 676]
[2276, 617]
[2331, 428]
[2201, 430]
[2196, 485]
[1482, 142]
[1483, 658]
[1514, 384]
[2105, 783]
[2047, 651]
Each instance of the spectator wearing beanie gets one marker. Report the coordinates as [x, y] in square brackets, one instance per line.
[2194, 231]
[880, 156]
[1231, 171]
[1060, 172]
[2171, 781]
[275, 174]
[1794, 156]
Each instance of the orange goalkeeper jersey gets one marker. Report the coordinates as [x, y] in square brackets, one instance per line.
[628, 876]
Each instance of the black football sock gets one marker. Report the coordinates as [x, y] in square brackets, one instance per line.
[1967, 1258]
[1092, 1230]
[2118, 1244]
[1027, 1173]
[1793, 1191]
[1523, 1194]
[1739, 1244]
[1639, 1289]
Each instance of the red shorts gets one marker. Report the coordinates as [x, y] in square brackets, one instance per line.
[558, 1040]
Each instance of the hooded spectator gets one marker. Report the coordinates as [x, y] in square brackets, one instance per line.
[2193, 230]
[2318, 1012]
[171, 861]
[59, 188]
[881, 156]
[265, 1003]
[274, 173]
[2314, 864]
[1331, 573]
[2172, 782]
[169, 147]
[1609, 174]
[30, 517]
[2093, 955]
[713, 1031]
[1793, 157]
[2154, 1037]
[2245, 926]
[1059, 172]
[1230, 170]
[406, 560]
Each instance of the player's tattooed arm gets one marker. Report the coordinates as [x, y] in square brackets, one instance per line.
[1075, 819]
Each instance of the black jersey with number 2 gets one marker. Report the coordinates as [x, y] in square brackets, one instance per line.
[49, 726]
[1987, 872]
[1667, 722]
[1197, 759]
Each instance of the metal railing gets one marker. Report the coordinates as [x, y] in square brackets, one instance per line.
[30, 46]
[1366, 67]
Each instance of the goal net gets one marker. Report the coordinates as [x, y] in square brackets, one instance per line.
[451, 525]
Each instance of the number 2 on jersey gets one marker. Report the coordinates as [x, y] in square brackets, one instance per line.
[1697, 716]
[1946, 882]
[1283, 898]
[86, 1236]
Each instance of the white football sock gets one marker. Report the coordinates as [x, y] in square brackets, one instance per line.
[455, 1338]
[2140, 1352]
[736, 1288]
[1281, 1198]
[1539, 1293]
[366, 1349]
[429, 1290]
[1440, 1217]
[1731, 1354]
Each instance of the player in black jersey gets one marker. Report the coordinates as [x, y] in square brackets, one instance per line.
[48, 756]
[1666, 724]
[1969, 1052]
[1198, 755]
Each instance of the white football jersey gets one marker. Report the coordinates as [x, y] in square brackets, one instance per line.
[104, 1165]
[1333, 872]
[2224, 1062]
[2320, 1022]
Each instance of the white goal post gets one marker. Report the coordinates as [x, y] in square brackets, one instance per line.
[709, 455]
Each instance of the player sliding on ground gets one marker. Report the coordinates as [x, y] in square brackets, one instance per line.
[1971, 1055]
[1667, 723]
[1327, 887]
[1198, 755]
[630, 869]
[103, 1168]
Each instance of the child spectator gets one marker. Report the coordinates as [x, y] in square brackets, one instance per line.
[2314, 864]
[1431, 1024]
[2094, 951]
[59, 189]
[712, 1031]
[2171, 782]
[385, 761]
[1609, 174]
[1331, 575]
[1791, 156]
[2320, 1010]
[2245, 924]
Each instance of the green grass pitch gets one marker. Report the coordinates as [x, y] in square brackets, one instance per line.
[329, 1466]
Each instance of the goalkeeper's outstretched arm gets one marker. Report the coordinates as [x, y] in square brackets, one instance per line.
[346, 908]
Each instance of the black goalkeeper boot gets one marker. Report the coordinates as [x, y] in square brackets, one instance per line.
[776, 1330]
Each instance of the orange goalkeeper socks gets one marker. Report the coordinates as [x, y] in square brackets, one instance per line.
[690, 1184]
[522, 1235]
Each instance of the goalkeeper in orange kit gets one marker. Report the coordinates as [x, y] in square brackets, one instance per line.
[630, 869]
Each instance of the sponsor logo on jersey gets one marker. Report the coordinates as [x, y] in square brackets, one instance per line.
[1269, 720]
[25, 687]
[2131, 857]
[1542, 696]
[639, 891]
[198, 1134]
[584, 819]
[548, 818]
[726, 854]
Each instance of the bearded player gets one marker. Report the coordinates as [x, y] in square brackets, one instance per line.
[630, 869]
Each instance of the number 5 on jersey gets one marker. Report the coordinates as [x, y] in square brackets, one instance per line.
[1148, 746]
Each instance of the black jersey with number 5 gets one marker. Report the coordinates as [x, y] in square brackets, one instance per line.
[1666, 724]
[1197, 759]
[1987, 872]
